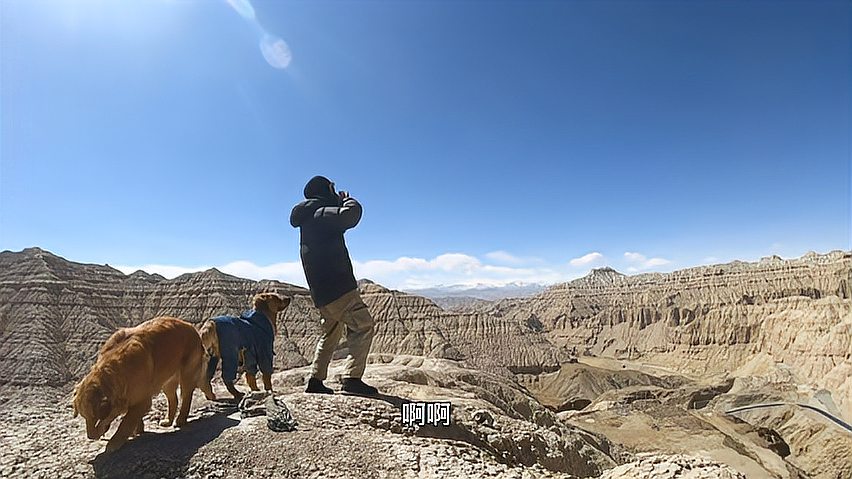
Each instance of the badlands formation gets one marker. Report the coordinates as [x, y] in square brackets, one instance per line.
[607, 376]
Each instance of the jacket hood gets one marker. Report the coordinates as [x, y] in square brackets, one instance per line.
[318, 194]
[318, 187]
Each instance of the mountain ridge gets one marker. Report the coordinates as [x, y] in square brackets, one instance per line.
[55, 314]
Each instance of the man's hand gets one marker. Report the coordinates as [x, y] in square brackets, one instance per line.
[343, 195]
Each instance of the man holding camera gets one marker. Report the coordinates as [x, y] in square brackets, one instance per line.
[322, 219]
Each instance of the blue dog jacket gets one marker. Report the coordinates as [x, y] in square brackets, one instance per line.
[251, 332]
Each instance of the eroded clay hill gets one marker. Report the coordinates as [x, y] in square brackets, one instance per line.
[664, 357]
[55, 314]
[789, 318]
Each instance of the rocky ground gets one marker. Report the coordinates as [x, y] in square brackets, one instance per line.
[669, 467]
[498, 430]
[337, 436]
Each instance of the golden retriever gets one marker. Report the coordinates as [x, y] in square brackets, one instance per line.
[134, 365]
[245, 341]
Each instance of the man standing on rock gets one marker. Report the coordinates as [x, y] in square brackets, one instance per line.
[322, 219]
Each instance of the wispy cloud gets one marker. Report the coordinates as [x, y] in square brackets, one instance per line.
[587, 260]
[496, 268]
[290, 272]
[504, 257]
[401, 273]
[639, 262]
[451, 268]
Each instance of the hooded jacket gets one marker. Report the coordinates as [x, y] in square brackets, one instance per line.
[322, 219]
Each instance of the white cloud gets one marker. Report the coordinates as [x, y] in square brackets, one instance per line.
[639, 262]
[506, 258]
[586, 260]
[288, 272]
[449, 268]
[656, 262]
[634, 257]
[449, 262]
[400, 273]
[503, 257]
[457, 262]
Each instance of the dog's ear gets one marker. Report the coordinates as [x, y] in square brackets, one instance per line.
[257, 300]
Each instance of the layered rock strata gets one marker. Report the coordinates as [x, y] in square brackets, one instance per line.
[712, 320]
[55, 314]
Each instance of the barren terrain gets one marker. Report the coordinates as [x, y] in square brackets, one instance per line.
[607, 376]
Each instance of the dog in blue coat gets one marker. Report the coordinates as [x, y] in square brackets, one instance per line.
[246, 340]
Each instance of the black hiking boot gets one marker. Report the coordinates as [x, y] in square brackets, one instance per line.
[356, 386]
[316, 386]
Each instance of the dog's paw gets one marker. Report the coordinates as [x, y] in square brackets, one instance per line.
[180, 422]
[165, 423]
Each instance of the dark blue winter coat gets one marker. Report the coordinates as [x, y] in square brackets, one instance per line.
[251, 332]
[322, 219]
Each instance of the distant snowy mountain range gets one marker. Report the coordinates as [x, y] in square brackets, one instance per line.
[480, 291]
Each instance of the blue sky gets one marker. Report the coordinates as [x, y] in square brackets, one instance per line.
[487, 141]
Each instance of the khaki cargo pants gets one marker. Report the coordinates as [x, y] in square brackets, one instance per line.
[348, 311]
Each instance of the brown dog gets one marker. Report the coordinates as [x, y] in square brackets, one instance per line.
[134, 365]
[247, 341]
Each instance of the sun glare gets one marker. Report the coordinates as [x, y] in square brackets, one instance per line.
[243, 7]
[275, 51]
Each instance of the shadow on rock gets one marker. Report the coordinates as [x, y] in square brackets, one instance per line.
[396, 401]
[161, 454]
